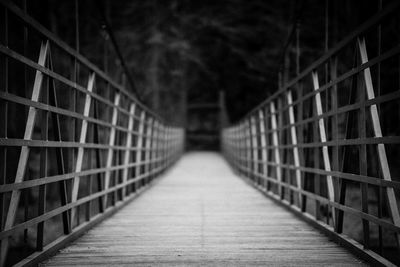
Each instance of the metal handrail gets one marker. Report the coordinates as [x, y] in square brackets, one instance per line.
[305, 148]
[94, 142]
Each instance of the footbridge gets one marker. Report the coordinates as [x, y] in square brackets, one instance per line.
[308, 177]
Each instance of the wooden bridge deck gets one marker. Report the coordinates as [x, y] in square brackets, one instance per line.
[201, 214]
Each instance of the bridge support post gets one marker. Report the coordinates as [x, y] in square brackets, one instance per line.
[383, 161]
[128, 146]
[275, 142]
[296, 156]
[82, 140]
[139, 149]
[263, 147]
[325, 152]
[111, 142]
[254, 148]
[148, 152]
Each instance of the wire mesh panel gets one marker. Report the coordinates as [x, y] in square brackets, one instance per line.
[75, 144]
[328, 148]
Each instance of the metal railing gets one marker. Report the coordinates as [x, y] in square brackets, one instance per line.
[75, 145]
[326, 148]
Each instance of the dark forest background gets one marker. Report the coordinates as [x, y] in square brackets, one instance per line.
[183, 55]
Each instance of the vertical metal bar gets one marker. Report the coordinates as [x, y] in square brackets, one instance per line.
[322, 133]
[378, 89]
[281, 134]
[378, 133]
[43, 168]
[350, 120]
[89, 178]
[154, 146]
[276, 148]
[149, 133]
[82, 140]
[128, 148]
[269, 149]
[23, 158]
[139, 148]
[326, 72]
[59, 151]
[263, 146]
[335, 126]
[165, 147]
[111, 142]
[248, 149]
[255, 146]
[300, 139]
[315, 160]
[244, 148]
[5, 125]
[293, 134]
[115, 162]
[96, 140]
[75, 78]
[363, 163]
[26, 192]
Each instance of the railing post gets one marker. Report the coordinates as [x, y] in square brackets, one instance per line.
[275, 143]
[394, 210]
[263, 144]
[155, 147]
[148, 152]
[139, 149]
[243, 149]
[128, 146]
[255, 147]
[248, 149]
[82, 140]
[24, 154]
[110, 152]
[325, 152]
[293, 134]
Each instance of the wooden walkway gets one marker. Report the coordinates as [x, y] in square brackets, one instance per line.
[200, 213]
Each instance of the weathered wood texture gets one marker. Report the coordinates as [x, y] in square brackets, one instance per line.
[202, 214]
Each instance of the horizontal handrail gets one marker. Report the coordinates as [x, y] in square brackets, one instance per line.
[73, 141]
[389, 10]
[316, 141]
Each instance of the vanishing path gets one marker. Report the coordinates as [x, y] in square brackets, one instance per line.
[201, 213]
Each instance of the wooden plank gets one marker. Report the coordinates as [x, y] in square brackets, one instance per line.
[293, 135]
[275, 143]
[82, 140]
[393, 207]
[322, 133]
[127, 154]
[24, 154]
[223, 222]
